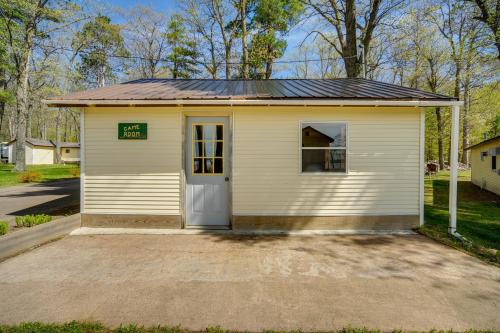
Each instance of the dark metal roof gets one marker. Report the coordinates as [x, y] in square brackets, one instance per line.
[48, 143]
[201, 89]
[484, 142]
[39, 142]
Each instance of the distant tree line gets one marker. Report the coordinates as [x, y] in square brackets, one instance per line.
[50, 47]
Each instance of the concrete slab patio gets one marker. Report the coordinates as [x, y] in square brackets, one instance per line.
[252, 283]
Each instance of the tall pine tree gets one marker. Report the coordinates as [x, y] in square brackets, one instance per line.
[183, 54]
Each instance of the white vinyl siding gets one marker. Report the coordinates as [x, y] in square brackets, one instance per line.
[132, 176]
[482, 174]
[72, 156]
[382, 176]
[40, 155]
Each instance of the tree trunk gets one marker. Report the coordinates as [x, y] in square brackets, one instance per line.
[243, 4]
[29, 120]
[22, 102]
[456, 94]
[101, 77]
[58, 137]
[465, 122]
[3, 85]
[228, 61]
[269, 69]
[65, 133]
[350, 51]
[440, 138]
[2, 112]
[213, 57]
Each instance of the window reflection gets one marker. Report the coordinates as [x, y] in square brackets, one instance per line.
[324, 147]
[323, 135]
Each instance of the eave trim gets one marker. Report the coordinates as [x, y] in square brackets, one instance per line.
[235, 102]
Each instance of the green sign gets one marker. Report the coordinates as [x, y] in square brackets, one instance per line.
[132, 131]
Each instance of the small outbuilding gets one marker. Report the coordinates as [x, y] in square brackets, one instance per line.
[485, 164]
[44, 151]
[255, 154]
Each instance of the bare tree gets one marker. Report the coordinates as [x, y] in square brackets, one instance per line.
[350, 19]
[454, 22]
[145, 32]
[244, 47]
[490, 15]
[58, 135]
[204, 26]
[225, 15]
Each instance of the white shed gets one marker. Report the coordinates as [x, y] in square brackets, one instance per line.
[43, 151]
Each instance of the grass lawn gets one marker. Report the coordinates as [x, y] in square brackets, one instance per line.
[47, 173]
[95, 327]
[478, 213]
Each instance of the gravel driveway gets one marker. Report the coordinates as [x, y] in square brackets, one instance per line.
[252, 283]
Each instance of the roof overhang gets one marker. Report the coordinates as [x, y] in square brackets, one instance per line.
[236, 102]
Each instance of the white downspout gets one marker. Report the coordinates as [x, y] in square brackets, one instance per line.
[455, 115]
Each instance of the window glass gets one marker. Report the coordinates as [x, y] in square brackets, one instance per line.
[208, 147]
[324, 147]
[323, 135]
[493, 162]
[218, 165]
[220, 131]
[209, 165]
[197, 165]
[218, 149]
[208, 132]
[198, 132]
[323, 160]
[198, 149]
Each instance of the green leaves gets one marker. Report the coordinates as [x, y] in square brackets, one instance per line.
[97, 40]
[271, 20]
[6, 97]
[183, 53]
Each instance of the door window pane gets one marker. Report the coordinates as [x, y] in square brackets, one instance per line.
[218, 149]
[218, 165]
[209, 165]
[207, 143]
[209, 149]
[220, 131]
[197, 165]
[198, 149]
[198, 132]
[208, 132]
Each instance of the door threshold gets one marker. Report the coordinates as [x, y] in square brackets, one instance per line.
[208, 227]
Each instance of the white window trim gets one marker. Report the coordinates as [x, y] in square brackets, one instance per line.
[346, 148]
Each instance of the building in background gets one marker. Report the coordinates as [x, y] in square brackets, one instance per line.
[485, 164]
[44, 152]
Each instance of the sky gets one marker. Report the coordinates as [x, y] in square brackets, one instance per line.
[111, 7]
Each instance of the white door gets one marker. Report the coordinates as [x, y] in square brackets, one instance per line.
[206, 171]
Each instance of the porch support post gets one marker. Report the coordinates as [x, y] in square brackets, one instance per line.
[455, 114]
[422, 167]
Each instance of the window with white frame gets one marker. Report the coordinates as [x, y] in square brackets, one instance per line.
[324, 147]
[484, 154]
